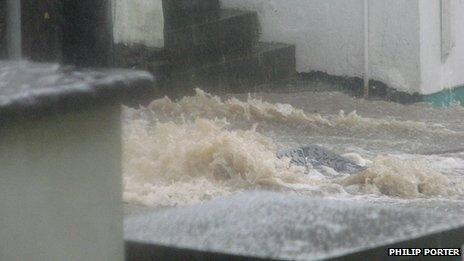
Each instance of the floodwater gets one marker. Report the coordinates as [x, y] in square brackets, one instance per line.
[205, 169]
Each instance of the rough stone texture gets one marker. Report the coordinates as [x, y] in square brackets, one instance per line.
[34, 89]
[294, 227]
[140, 251]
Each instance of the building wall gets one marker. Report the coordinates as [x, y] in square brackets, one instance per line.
[405, 38]
[394, 45]
[430, 38]
[438, 73]
[327, 34]
[454, 65]
[138, 22]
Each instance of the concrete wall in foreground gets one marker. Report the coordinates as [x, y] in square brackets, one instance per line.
[405, 38]
[60, 187]
[138, 22]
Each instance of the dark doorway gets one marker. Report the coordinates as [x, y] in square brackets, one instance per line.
[41, 26]
[87, 38]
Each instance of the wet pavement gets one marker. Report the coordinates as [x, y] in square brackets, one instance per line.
[282, 226]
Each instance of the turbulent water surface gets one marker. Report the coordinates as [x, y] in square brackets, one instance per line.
[202, 147]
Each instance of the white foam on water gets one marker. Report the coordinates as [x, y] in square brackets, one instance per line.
[284, 115]
[170, 163]
[406, 178]
[200, 147]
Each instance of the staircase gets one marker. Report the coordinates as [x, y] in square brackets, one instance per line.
[215, 49]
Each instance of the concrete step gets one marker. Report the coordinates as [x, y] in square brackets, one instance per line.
[129, 56]
[230, 31]
[178, 13]
[267, 63]
[140, 57]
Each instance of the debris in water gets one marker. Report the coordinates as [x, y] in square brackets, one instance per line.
[317, 156]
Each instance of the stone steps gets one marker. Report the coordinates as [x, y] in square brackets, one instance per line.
[178, 13]
[228, 31]
[267, 63]
[211, 48]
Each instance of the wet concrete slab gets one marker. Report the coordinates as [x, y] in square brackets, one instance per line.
[273, 225]
[33, 90]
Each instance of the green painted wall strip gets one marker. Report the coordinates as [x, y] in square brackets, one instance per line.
[446, 98]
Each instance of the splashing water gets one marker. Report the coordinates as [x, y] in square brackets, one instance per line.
[201, 147]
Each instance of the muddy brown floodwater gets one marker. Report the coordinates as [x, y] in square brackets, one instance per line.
[186, 161]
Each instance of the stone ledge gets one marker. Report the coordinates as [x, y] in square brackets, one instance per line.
[33, 90]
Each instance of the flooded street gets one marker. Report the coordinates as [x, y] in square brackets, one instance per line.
[211, 162]
[205, 147]
[231, 130]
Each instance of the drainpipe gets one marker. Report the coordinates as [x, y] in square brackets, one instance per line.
[366, 48]
[13, 29]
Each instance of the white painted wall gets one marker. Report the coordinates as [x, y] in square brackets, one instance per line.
[437, 74]
[394, 45]
[138, 22]
[430, 39]
[327, 34]
[405, 38]
[454, 65]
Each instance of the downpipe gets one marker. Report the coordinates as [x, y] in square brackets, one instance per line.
[13, 29]
[366, 49]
